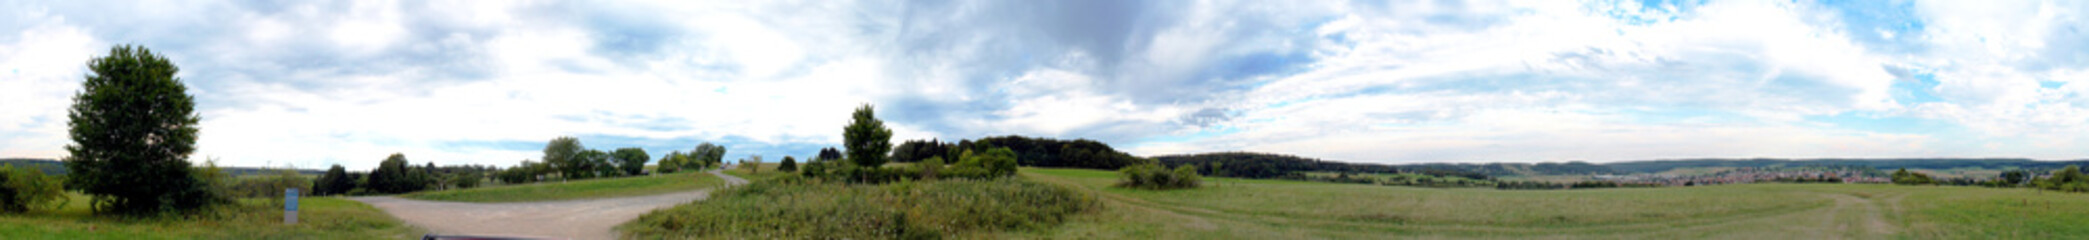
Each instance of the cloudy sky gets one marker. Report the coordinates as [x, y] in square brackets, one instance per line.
[313, 83]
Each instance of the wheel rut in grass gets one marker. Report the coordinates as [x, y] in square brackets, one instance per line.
[1870, 212]
[570, 219]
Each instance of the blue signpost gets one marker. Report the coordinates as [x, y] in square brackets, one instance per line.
[290, 206]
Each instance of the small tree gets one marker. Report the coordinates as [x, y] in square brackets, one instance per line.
[829, 154]
[1904, 177]
[23, 189]
[428, 178]
[561, 154]
[1186, 176]
[789, 164]
[468, 179]
[2014, 177]
[2068, 179]
[393, 176]
[522, 173]
[866, 139]
[1153, 176]
[2068, 174]
[999, 162]
[930, 167]
[815, 169]
[706, 154]
[670, 163]
[753, 164]
[632, 160]
[593, 163]
[334, 182]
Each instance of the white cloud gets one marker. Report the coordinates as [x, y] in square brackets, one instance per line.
[1523, 128]
[1990, 61]
[465, 81]
[1054, 102]
[368, 26]
[1545, 81]
[42, 67]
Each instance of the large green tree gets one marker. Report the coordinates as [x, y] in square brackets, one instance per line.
[866, 139]
[632, 160]
[133, 126]
[394, 175]
[707, 155]
[670, 163]
[593, 164]
[334, 181]
[559, 154]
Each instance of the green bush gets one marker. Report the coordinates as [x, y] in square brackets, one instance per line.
[1153, 176]
[789, 164]
[930, 167]
[793, 207]
[2068, 179]
[335, 181]
[211, 188]
[271, 186]
[23, 189]
[465, 180]
[998, 162]
[816, 169]
[1904, 177]
[517, 175]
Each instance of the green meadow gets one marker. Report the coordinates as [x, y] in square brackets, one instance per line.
[319, 218]
[1276, 209]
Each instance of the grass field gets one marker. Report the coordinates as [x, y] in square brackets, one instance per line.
[319, 218]
[1273, 209]
[798, 208]
[581, 189]
[768, 171]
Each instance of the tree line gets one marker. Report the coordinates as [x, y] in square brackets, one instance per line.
[1029, 151]
[565, 158]
[867, 146]
[2070, 178]
[1279, 166]
[395, 174]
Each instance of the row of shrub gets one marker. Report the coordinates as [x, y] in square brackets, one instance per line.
[25, 189]
[1153, 176]
[799, 207]
[1904, 177]
[394, 175]
[995, 163]
[2067, 179]
[1541, 185]
[1421, 180]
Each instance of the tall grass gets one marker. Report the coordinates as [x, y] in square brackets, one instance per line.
[792, 207]
[318, 218]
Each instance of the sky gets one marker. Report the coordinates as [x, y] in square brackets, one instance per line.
[315, 83]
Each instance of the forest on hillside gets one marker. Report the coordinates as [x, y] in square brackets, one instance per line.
[1030, 151]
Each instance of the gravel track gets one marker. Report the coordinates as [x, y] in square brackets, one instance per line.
[570, 219]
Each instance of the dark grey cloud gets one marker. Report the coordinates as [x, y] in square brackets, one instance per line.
[986, 44]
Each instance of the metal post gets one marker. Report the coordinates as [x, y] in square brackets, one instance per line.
[290, 206]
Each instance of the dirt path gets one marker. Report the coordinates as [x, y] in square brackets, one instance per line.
[1871, 216]
[573, 219]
